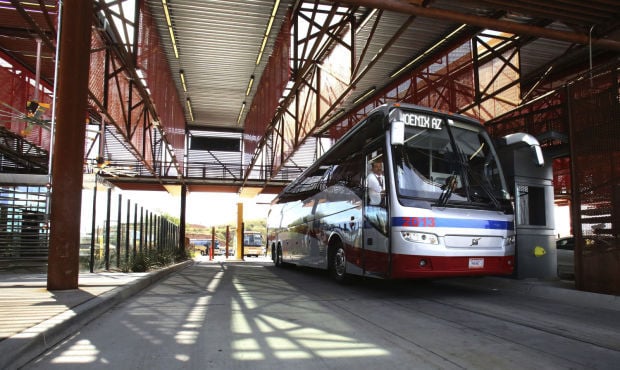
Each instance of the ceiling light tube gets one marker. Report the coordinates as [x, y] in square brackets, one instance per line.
[262, 48]
[183, 80]
[174, 43]
[275, 8]
[241, 112]
[269, 26]
[365, 20]
[247, 92]
[407, 66]
[428, 51]
[189, 109]
[365, 95]
[331, 120]
[268, 30]
[164, 3]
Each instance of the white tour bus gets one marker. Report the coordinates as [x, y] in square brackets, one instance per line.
[441, 207]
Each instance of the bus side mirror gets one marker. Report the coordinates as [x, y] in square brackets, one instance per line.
[397, 133]
[529, 140]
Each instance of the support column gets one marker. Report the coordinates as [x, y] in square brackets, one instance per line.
[70, 128]
[227, 239]
[239, 251]
[182, 253]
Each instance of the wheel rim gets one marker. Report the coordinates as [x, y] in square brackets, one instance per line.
[340, 262]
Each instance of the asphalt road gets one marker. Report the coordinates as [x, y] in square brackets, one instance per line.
[252, 315]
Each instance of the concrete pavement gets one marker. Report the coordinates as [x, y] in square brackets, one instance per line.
[34, 319]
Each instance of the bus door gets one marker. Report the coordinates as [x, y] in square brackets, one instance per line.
[375, 229]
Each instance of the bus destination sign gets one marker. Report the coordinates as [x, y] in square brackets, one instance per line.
[422, 120]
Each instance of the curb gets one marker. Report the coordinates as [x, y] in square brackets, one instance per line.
[23, 347]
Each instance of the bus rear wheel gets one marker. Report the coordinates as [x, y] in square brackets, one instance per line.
[278, 260]
[338, 264]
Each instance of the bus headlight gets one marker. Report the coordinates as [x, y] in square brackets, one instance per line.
[420, 237]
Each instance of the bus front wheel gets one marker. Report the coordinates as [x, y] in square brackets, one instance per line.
[338, 266]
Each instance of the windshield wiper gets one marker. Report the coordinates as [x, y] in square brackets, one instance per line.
[484, 185]
[468, 173]
[446, 193]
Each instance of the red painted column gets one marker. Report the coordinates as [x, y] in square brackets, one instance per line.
[211, 250]
[227, 239]
[68, 153]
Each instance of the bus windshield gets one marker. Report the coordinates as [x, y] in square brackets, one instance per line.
[252, 240]
[448, 162]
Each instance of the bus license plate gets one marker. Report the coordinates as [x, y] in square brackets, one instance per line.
[476, 263]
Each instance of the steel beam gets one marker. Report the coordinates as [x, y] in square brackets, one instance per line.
[484, 22]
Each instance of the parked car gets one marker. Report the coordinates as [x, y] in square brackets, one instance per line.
[203, 245]
[566, 257]
[566, 252]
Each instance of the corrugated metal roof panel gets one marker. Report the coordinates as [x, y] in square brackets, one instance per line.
[218, 44]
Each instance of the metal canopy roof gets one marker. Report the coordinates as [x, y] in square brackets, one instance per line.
[218, 43]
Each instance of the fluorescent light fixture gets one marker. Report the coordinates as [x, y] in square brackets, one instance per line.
[36, 4]
[428, 51]
[174, 43]
[366, 20]
[247, 92]
[189, 109]
[337, 114]
[268, 30]
[183, 80]
[365, 95]
[269, 25]
[241, 112]
[164, 3]
[275, 8]
[262, 48]
[331, 119]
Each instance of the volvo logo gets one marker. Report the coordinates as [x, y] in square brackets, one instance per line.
[475, 241]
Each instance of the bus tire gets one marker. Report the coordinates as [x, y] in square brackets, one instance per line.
[278, 260]
[338, 263]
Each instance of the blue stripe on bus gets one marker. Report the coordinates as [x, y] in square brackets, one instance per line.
[452, 222]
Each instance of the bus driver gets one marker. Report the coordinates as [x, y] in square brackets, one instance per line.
[376, 183]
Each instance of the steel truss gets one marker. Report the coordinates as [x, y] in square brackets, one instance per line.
[471, 73]
[119, 96]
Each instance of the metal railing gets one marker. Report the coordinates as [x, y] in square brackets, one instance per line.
[124, 234]
[24, 235]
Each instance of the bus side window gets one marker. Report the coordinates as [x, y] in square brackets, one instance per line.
[349, 173]
[336, 175]
[355, 176]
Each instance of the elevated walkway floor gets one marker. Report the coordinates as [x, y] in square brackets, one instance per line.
[33, 319]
